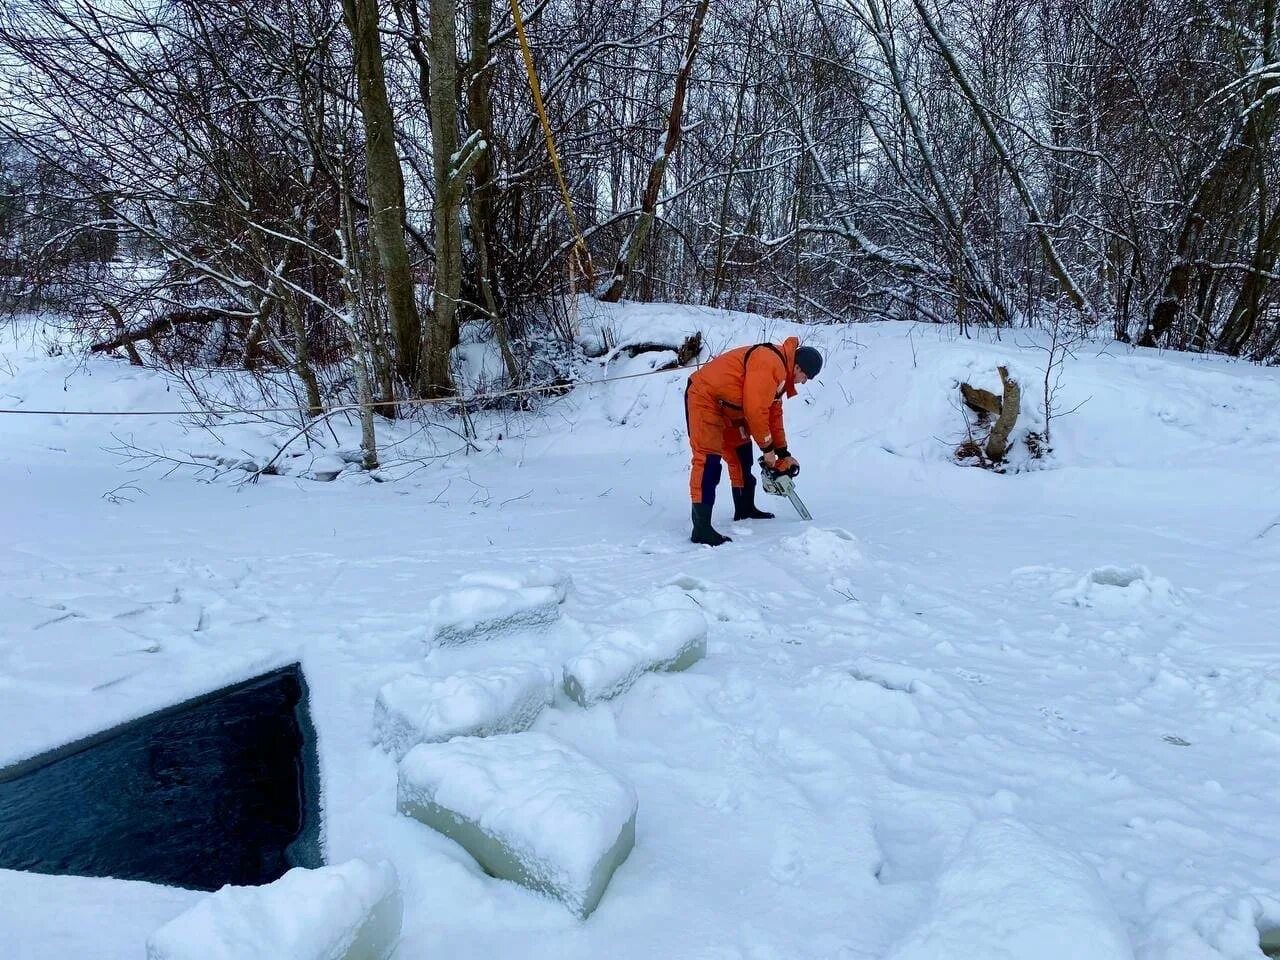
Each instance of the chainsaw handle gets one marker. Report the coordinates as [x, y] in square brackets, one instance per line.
[773, 473]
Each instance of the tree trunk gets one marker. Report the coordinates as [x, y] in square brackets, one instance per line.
[442, 57]
[1010, 407]
[386, 187]
[1219, 187]
[1056, 267]
[633, 246]
[354, 298]
[481, 199]
[302, 353]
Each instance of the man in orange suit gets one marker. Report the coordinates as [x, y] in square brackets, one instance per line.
[731, 401]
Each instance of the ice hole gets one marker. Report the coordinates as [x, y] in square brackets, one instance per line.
[1117, 576]
[1269, 942]
[688, 583]
[220, 789]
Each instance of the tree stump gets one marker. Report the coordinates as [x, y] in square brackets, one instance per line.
[987, 404]
[1011, 404]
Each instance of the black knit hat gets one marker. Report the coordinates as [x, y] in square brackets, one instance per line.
[809, 360]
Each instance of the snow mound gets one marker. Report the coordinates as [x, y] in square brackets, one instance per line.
[326, 467]
[416, 709]
[347, 912]
[626, 399]
[1120, 589]
[487, 605]
[692, 593]
[1007, 895]
[895, 676]
[667, 640]
[829, 546]
[528, 809]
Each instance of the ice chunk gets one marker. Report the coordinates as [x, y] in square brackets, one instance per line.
[1121, 589]
[1269, 942]
[1008, 895]
[416, 709]
[326, 467]
[610, 664]
[489, 604]
[347, 912]
[520, 579]
[528, 809]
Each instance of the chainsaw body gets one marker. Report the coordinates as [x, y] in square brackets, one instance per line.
[780, 484]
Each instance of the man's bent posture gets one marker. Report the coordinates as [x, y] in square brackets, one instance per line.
[730, 401]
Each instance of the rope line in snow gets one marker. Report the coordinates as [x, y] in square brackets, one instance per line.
[344, 407]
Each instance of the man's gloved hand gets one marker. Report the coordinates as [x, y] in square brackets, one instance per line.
[787, 465]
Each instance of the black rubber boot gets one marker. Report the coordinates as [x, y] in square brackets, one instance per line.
[744, 503]
[702, 529]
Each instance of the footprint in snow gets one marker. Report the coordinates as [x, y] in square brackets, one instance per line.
[1055, 720]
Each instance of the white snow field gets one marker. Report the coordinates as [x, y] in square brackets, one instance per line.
[958, 712]
[528, 808]
[347, 912]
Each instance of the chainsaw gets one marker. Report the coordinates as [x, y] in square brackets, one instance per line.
[782, 484]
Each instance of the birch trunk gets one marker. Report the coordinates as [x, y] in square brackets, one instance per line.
[386, 187]
[634, 245]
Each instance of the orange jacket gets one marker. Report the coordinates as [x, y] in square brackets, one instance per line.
[751, 388]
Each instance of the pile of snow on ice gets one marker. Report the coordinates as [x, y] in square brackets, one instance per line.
[666, 640]
[416, 709]
[486, 605]
[831, 546]
[347, 912]
[1120, 589]
[1007, 895]
[528, 809]
[694, 594]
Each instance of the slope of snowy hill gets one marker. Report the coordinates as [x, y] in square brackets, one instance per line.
[959, 715]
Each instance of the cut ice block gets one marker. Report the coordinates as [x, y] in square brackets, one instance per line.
[417, 709]
[528, 808]
[347, 912]
[486, 605]
[666, 640]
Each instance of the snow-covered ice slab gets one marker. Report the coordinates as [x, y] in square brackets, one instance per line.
[347, 912]
[1008, 895]
[664, 640]
[486, 605]
[416, 709]
[528, 809]
[1121, 589]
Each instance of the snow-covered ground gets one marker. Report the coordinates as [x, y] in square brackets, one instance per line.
[958, 715]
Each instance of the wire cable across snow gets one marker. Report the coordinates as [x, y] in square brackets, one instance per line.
[339, 408]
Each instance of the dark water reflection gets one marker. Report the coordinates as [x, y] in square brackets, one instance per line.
[222, 789]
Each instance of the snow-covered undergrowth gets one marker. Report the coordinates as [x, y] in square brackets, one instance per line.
[957, 713]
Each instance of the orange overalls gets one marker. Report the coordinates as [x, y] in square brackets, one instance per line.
[732, 400]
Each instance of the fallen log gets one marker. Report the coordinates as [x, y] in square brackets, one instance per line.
[126, 338]
[979, 400]
[686, 352]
